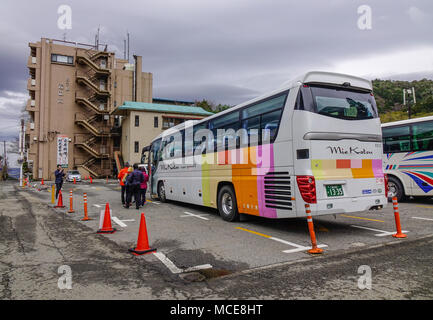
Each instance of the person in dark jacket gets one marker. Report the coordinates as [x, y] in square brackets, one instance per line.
[135, 179]
[59, 179]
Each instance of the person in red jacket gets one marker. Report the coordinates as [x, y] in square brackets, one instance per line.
[122, 176]
[143, 186]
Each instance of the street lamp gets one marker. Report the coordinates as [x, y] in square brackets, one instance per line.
[407, 101]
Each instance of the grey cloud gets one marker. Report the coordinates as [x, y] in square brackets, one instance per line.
[225, 51]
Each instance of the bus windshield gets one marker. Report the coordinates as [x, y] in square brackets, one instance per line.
[339, 103]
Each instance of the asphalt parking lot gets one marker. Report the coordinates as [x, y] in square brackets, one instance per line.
[191, 238]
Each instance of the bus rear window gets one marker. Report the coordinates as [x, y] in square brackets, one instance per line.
[339, 103]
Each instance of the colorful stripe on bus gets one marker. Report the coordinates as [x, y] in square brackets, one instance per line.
[347, 169]
[423, 179]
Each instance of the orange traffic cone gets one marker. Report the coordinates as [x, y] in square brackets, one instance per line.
[142, 242]
[42, 182]
[75, 181]
[60, 201]
[86, 217]
[106, 227]
[399, 233]
[71, 206]
[91, 181]
[314, 249]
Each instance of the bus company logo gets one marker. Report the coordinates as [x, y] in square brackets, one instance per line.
[350, 150]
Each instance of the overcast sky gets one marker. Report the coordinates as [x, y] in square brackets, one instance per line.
[226, 51]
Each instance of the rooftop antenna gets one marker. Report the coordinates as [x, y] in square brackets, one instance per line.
[97, 39]
[124, 49]
[127, 34]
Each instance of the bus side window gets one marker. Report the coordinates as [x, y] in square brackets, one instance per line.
[422, 136]
[252, 125]
[269, 124]
[396, 139]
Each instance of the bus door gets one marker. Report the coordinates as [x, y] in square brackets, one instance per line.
[154, 157]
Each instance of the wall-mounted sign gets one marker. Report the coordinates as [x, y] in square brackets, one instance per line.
[62, 150]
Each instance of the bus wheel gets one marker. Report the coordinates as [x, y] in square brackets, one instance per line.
[161, 192]
[395, 189]
[227, 206]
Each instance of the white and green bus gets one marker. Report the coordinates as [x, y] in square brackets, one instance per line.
[316, 140]
[408, 157]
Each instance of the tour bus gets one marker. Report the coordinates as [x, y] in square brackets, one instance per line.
[408, 157]
[315, 140]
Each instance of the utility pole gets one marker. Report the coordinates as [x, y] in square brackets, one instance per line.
[5, 163]
[21, 150]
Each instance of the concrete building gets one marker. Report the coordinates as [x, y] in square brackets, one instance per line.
[74, 89]
[141, 122]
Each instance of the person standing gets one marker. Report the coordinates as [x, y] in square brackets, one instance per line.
[122, 177]
[134, 181]
[59, 173]
[143, 186]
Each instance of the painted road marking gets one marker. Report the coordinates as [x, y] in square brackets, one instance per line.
[298, 247]
[118, 221]
[361, 218]
[155, 202]
[428, 207]
[422, 218]
[189, 214]
[97, 205]
[174, 269]
[381, 233]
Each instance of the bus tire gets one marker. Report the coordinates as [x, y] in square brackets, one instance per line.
[161, 192]
[227, 205]
[396, 188]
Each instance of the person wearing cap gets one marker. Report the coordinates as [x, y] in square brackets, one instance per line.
[122, 176]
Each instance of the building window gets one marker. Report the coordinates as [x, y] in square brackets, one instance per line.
[155, 122]
[136, 147]
[62, 59]
[171, 122]
[137, 121]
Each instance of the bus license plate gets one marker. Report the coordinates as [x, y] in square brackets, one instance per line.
[334, 190]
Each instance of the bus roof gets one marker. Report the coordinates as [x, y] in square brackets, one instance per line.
[316, 77]
[401, 122]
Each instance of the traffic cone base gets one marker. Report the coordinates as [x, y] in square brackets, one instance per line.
[399, 235]
[315, 251]
[141, 252]
[86, 219]
[113, 230]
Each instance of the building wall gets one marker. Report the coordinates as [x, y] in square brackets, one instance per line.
[144, 133]
[55, 107]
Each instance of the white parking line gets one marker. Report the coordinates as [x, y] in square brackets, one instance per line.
[189, 214]
[422, 218]
[381, 233]
[297, 246]
[119, 222]
[172, 267]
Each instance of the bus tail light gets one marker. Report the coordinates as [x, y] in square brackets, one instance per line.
[385, 179]
[307, 188]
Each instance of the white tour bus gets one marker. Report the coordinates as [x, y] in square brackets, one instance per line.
[408, 157]
[315, 140]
